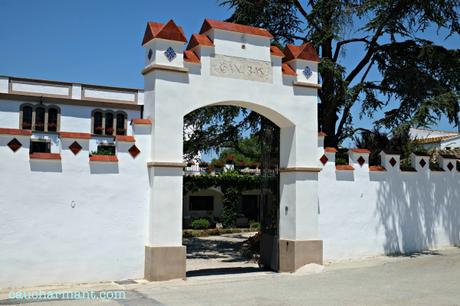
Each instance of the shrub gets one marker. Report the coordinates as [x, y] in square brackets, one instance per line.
[200, 224]
[254, 225]
[231, 202]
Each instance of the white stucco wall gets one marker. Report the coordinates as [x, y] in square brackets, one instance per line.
[71, 220]
[364, 213]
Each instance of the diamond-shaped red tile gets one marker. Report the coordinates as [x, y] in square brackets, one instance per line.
[361, 161]
[422, 163]
[134, 151]
[450, 166]
[75, 147]
[14, 145]
[323, 159]
[393, 162]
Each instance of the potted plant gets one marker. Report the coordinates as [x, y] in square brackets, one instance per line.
[230, 160]
[98, 130]
[121, 131]
[109, 131]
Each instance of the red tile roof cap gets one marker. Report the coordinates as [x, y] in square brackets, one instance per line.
[322, 134]
[15, 132]
[344, 167]
[145, 121]
[209, 24]
[363, 151]
[286, 69]
[36, 155]
[191, 57]
[169, 31]
[304, 52]
[125, 138]
[330, 150]
[199, 40]
[377, 168]
[103, 158]
[275, 51]
[74, 135]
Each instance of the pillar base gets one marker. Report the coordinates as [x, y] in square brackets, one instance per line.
[164, 263]
[297, 253]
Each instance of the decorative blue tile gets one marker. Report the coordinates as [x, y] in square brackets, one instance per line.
[170, 54]
[307, 72]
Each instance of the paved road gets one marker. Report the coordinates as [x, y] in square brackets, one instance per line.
[423, 279]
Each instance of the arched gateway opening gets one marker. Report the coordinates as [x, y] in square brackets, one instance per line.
[230, 65]
[231, 191]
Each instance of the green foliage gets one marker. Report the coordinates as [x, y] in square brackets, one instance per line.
[225, 180]
[248, 152]
[232, 198]
[189, 233]
[103, 151]
[434, 166]
[254, 225]
[200, 223]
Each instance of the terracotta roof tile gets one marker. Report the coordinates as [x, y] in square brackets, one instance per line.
[191, 57]
[74, 135]
[322, 134]
[377, 168]
[169, 31]
[103, 158]
[55, 156]
[275, 51]
[330, 150]
[145, 121]
[209, 24]
[304, 52]
[363, 151]
[125, 138]
[287, 70]
[199, 40]
[344, 167]
[15, 132]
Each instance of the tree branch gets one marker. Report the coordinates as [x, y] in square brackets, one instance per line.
[344, 42]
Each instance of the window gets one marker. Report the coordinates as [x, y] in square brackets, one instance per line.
[105, 149]
[97, 123]
[40, 146]
[108, 123]
[39, 118]
[201, 203]
[52, 119]
[121, 122]
[26, 123]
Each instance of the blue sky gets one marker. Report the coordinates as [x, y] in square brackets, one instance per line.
[99, 41]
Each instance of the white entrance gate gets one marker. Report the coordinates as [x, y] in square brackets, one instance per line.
[228, 64]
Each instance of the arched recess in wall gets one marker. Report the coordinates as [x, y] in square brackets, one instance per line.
[108, 122]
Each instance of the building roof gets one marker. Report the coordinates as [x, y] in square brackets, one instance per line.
[199, 40]
[169, 31]
[437, 139]
[303, 52]
[191, 57]
[286, 69]
[275, 51]
[209, 24]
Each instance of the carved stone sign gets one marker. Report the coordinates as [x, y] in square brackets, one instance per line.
[241, 68]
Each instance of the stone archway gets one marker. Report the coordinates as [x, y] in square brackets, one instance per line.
[251, 77]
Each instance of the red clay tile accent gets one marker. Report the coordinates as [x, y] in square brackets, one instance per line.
[134, 151]
[304, 52]
[75, 148]
[209, 24]
[344, 167]
[14, 144]
[141, 121]
[191, 57]
[125, 138]
[15, 132]
[55, 156]
[275, 51]
[377, 168]
[286, 69]
[362, 151]
[169, 31]
[74, 135]
[103, 158]
[199, 40]
[322, 134]
[330, 150]
[324, 159]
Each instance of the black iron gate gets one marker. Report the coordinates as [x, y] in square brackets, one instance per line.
[269, 199]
